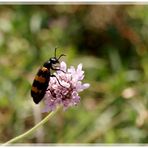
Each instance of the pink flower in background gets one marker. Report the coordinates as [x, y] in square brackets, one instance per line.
[67, 94]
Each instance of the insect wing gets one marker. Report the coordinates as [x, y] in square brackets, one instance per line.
[40, 84]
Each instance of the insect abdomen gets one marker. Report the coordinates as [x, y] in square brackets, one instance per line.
[40, 84]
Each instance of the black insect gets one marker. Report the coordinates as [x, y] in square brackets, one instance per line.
[42, 78]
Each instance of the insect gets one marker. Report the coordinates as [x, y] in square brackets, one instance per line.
[42, 78]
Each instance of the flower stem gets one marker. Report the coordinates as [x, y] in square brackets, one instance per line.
[32, 129]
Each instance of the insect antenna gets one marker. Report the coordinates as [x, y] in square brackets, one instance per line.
[61, 56]
[55, 52]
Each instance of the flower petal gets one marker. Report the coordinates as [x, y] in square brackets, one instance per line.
[79, 68]
[86, 85]
[63, 66]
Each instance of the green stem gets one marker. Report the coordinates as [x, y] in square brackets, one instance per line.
[32, 129]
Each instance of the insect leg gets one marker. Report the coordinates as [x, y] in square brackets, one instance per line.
[52, 93]
[49, 90]
[57, 69]
[57, 80]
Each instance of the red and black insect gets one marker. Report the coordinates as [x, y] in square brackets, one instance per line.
[42, 78]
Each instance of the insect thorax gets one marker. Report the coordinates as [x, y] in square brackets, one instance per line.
[47, 64]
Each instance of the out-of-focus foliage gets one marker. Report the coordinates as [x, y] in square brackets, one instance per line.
[110, 41]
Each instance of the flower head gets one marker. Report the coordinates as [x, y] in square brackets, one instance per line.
[64, 88]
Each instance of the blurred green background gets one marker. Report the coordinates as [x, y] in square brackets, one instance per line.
[110, 41]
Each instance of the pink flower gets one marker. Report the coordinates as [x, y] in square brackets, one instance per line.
[67, 94]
